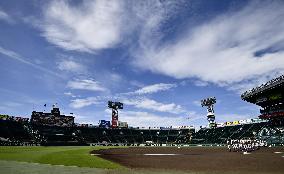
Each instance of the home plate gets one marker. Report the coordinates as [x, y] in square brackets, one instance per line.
[161, 154]
[278, 152]
[246, 153]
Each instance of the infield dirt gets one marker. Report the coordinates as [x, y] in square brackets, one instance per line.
[197, 159]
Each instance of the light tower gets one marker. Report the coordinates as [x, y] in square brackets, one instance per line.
[209, 103]
[114, 106]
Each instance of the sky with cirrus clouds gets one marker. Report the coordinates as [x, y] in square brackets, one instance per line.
[159, 58]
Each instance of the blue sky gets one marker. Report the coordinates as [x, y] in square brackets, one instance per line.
[159, 58]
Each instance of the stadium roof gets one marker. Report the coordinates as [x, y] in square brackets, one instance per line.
[272, 90]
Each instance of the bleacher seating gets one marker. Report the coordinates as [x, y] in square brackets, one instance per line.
[14, 132]
[220, 135]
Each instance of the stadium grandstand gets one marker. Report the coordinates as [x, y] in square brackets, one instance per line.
[56, 129]
[269, 126]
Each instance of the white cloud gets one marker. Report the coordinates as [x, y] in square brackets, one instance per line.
[13, 55]
[197, 103]
[145, 103]
[140, 103]
[154, 88]
[200, 83]
[70, 66]
[136, 83]
[146, 119]
[86, 84]
[80, 103]
[252, 83]
[114, 77]
[87, 27]
[221, 51]
[69, 94]
[90, 26]
[4, 16]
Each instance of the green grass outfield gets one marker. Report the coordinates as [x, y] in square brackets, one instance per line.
[67, 156]
[61, 160]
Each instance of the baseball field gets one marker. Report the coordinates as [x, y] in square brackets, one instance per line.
[29, 160]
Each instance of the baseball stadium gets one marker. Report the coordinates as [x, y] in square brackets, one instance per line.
[141, 86]
[51, 141]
